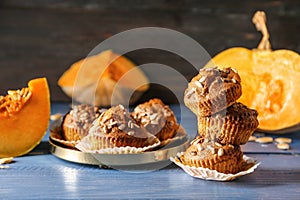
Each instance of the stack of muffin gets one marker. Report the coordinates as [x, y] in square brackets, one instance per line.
[223, 123]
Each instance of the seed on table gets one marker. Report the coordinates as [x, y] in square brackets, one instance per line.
[55, 116]
[263, 140]
[283, 140]
[283, 146]
[6, 160]
[252, 138]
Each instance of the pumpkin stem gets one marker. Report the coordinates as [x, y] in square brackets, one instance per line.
[260, 21]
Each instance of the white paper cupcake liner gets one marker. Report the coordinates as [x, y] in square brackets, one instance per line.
[208, 174]
[57, 137]
[181, 134]
[86, 147]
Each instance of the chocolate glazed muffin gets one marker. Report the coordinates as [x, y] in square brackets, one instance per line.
[212, 90]
[232, 126]
[77, 121]
[116, 128]
[157, 118]
[204, 153]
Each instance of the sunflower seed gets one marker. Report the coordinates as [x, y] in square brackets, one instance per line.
[233, 80]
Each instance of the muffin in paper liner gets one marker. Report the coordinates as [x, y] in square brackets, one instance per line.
[56, 136]
[249, 165]
[212, 90]
[102, 145]
[115, 128]
[76, 123]
[73, 133]
[157, 118]
[181, 134]
[233, 126]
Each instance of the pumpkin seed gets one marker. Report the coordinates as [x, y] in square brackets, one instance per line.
[283, 146]
[282, 140]
[6, 160]
[264, 140]
[252, 138]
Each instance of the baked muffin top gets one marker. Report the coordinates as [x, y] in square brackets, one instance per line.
[213, 80]
[206, 149]
[239, 112]
[82, 115]
[154, 115]
[117, 121]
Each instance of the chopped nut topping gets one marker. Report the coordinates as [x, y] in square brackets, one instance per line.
[220, 152]
[198, 84]
[202, 79]
[234, 70]
[130, 132]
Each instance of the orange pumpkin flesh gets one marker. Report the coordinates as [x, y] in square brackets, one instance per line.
[99, 74]
[22, 130]
[270, 83]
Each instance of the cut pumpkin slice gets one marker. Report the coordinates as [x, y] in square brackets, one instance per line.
[24, 118]
[95, 79]
[270, 80]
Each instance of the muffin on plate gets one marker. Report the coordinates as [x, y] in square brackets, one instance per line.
[204, 153]
[233, 126]
[212, 90]
[157, 118]
[116, 128]
[77, 121]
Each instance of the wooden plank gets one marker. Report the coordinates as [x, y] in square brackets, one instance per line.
[43, 39]
[46, 176]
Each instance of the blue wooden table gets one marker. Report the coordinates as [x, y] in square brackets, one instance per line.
[41, 175]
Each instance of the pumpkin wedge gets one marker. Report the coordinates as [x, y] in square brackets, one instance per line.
[270, 80]
[24, 118]
[96, 79]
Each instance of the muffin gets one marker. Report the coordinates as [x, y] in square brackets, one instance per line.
[212, 90]
[157, 118]
[77, 121]
[232, 126]
[204, 153]
[116, 128]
